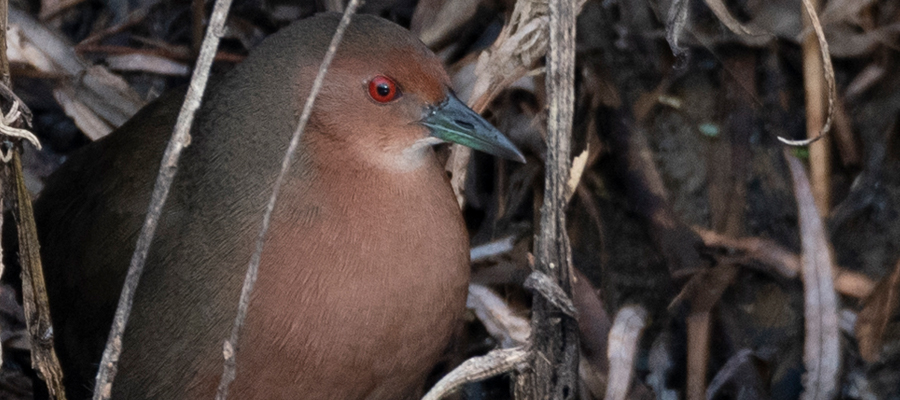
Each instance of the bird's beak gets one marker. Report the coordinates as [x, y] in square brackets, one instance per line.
[452, 121]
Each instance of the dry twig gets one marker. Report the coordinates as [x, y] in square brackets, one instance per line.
[819, 153]
[169, 165]
[495, 363]
[231, 343]
[873, 319]
[829, 79]
[778, 260]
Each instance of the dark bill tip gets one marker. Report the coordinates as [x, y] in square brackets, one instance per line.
[453, 121]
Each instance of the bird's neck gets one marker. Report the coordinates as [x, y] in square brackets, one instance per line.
[392, 161]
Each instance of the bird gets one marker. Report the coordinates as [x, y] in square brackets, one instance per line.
[365, 269]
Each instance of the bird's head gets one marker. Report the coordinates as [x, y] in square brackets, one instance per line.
[388, 96]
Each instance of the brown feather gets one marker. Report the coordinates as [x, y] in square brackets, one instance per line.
[365, 270]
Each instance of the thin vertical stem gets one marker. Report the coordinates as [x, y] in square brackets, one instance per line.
[231, 344]
[169, 165]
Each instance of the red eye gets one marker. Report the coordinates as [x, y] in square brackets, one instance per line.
[383, 89]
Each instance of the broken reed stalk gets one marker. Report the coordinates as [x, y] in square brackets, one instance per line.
[814, 87]
[231, 344]
[554, 339]
[34, 290]
[169, 165]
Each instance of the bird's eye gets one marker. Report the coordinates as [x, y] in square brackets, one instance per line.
[383, 89]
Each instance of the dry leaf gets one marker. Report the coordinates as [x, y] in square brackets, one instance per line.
[497, 317]
[97, 100]
[733, 24]
[575, 172]
[624, 338]
[822, 346]
[92, 125]
[877, 311]
[434, 23]
[147, 63]
[675, 23]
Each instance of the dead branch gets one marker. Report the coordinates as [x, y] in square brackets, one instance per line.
[495, 363]
[169, 165]
[554, 340]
